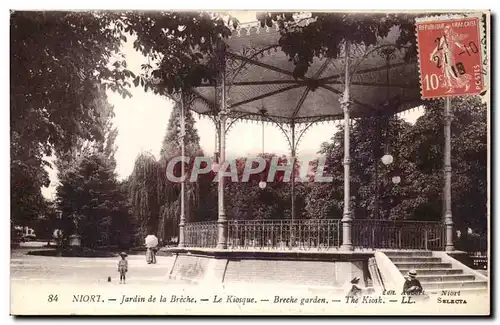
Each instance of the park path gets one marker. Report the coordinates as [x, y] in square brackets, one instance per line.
[30, 268]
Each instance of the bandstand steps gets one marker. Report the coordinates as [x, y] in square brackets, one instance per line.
[436, 272]
[422, 265]
[426, 259]
[436, 275]
[391, 254]
[452, 277]
[454, 284]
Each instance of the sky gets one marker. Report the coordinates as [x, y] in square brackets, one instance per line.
[142, 123]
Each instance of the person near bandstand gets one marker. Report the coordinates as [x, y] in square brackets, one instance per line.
[412, 286]
[356, 290]
[122, 267]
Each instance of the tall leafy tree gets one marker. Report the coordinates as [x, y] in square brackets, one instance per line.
[182, 45]
[89, 195]
[91, 200]
[155, 200]
[195, 191]
[144, 191]
[57, 62]
[124, 228]
[469, 161]
[46, 222]
[370, 139]
[171, 146]
[104, 142]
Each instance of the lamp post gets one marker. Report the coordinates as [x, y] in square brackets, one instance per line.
[383, 113]
[386, 158]
[182, 136]
[394, 176]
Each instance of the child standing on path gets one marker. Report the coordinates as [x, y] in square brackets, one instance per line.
[123, 266]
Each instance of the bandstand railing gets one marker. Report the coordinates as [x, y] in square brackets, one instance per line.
[319, 234]
[398, 234]
[306, 234]
[200, 234]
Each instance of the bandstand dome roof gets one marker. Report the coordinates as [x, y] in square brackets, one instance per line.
[260, 75]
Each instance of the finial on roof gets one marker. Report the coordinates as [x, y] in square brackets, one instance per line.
[263, 110]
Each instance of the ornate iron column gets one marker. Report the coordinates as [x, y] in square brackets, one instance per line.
[293, 151]
[182, 222]
[381, 125]
[347, 218]
[222, 225]
[448, 220]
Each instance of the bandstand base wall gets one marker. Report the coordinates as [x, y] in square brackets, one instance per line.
[328, 269]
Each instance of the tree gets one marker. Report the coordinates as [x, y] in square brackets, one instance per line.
[144, 191]
[90, 200]
[469, 161]
[370, 138]
[69, 58]
[182, 45]
[27, 176]
[124, 228]
[171, 145]
[89, 195]
[195, 192]
[66, 57]
[156, 200]
[59, 64]
[104, 142]
[46, 222]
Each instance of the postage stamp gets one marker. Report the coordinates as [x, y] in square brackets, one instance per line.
[450, 56]
[249, 163]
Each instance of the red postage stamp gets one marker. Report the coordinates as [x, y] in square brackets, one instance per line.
[450, 57]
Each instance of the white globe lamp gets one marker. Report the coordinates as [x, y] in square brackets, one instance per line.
[262, 185]
[387, 159]
[396, 179]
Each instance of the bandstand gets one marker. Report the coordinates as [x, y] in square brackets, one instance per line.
[253, 73]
